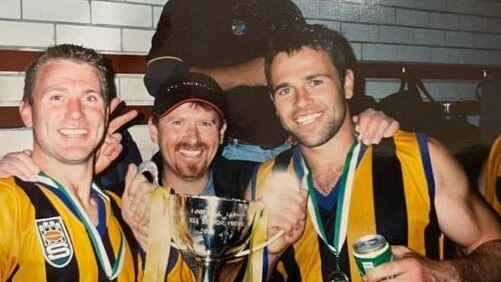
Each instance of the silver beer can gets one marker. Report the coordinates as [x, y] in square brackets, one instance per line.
[370, 251]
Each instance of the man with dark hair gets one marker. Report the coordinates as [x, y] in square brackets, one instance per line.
[411, 190]
[62, 226]
[227, 40]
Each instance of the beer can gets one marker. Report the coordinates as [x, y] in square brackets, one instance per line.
[370, 251]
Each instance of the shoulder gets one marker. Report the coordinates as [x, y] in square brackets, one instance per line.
[449, 175]
[10, 189]
[15, 202]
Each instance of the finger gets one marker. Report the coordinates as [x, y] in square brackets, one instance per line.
[141, 213]
[114, 104]
[145, 220]
[19, 164]
[7, 170]
[112, 144]
[292, 218]
[384, 271]
[400, 251]
[292, 203]
[142, 189]
[120, 120]
[377, 134]
[26, 162]
[394, 126]
[280, 222]
[131, 173]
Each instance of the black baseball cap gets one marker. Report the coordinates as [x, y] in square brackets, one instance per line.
[188, 87]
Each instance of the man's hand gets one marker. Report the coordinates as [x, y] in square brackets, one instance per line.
[374, 125]
[285, 205]
[19, 164]
[410, 266]
[136, 204]
[111, 147]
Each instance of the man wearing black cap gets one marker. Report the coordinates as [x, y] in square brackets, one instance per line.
[188, 124]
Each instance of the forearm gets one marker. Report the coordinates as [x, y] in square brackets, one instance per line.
[483, 264]
[250, 73]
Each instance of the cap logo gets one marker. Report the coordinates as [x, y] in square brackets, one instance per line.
[187, 83]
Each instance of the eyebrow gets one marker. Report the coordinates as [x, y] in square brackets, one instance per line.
[309, 77]
[280, 86]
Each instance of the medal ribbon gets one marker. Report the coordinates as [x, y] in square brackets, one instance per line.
[343, 201]
[97, 243]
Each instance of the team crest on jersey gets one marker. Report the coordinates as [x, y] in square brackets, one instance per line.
[56, 243]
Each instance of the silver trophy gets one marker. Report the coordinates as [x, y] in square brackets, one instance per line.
[210, 229]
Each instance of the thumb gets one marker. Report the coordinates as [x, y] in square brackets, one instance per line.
[400, 251]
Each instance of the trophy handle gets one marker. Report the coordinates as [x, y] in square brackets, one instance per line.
[150, 167]
[262, 245]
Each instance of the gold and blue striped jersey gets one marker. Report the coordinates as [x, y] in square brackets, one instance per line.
[392, 195]
[42, 239]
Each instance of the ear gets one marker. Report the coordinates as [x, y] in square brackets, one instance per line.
[349, 84]
[222, 131]
[26, 112]
[153, 129]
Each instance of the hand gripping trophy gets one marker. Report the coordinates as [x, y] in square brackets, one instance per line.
[208, 228]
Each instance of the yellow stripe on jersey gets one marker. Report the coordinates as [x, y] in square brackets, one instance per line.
[416, 189]
[362, 219]
[493, 174]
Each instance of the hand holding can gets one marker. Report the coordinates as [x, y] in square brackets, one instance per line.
[370, 251]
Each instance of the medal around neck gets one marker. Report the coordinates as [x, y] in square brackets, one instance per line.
[209, 228]
[338, 276]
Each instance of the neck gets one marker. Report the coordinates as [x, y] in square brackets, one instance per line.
[193, 186]
[76, 178]
[326, 162]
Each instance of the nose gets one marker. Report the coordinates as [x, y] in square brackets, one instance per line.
[302, 98]
[192, 134]
[75, 110]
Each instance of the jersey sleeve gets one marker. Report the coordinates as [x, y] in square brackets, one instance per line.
[13, 216]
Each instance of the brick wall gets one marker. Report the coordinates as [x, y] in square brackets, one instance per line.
[430, 31]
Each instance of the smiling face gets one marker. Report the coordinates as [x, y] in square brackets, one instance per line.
[68, 113]
[189, 137]
[308, 96]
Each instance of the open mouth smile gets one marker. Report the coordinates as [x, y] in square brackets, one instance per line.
[73, 132]
[307, 119]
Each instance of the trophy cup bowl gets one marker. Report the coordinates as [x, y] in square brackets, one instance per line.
[210, 229]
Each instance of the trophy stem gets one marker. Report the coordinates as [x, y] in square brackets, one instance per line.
[207, 271]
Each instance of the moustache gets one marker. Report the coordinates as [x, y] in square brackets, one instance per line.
[192, 147]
